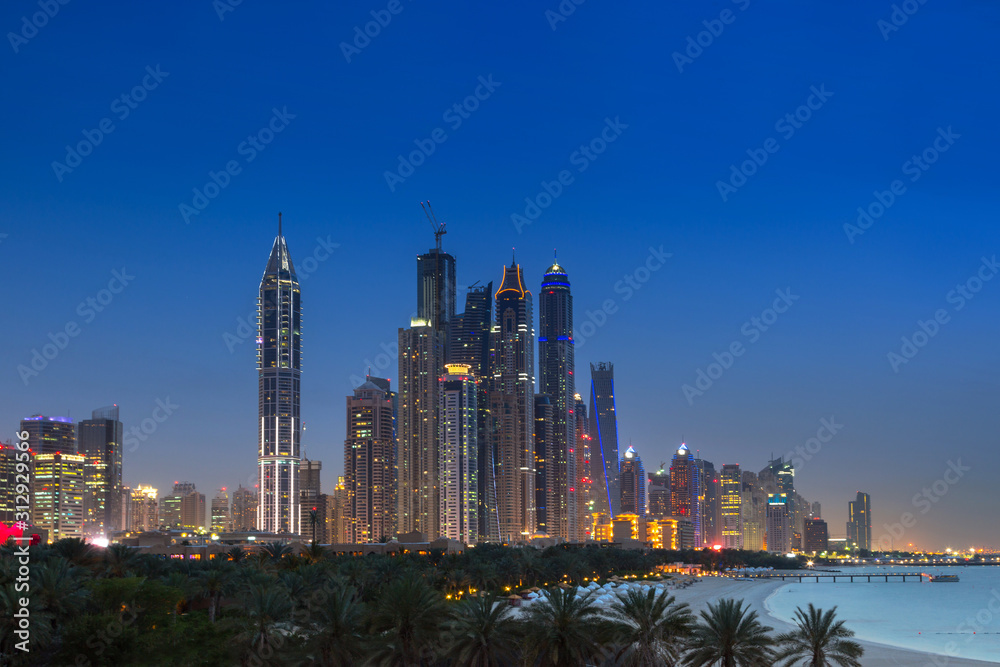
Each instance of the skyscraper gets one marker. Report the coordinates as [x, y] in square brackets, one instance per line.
[221, 519]
[604, 430]
[145, 513]
[708, 502]
[309, 490]
[779, 523]
[512, 406]
[279, 368]
[99, 441]
[685, 490]
[459, 484]
[8, 480]
[585, 482]
[753, 507]
[193, 510]
[659, 493]
[469, 334]
[859, 522]
[544, 445]
[58, 489]
[816, 536]
[730, 485]
[244, 509]
[436, 288]
[171, 513]
[556, 366]
[633, 483]
[369, 464]
[421, 361]
[48, 435]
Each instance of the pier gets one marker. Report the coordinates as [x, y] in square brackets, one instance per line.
[867, 578]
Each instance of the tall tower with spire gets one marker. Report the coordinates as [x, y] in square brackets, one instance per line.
[512, 407]
[279, 369]
[555, 366]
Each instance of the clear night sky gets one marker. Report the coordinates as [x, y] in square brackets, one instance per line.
[654, 186]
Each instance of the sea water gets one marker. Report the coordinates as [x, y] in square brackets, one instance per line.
[953, 619]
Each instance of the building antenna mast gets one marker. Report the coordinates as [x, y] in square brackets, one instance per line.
[439, 231]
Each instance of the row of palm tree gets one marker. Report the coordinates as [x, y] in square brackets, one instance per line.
[118, 606]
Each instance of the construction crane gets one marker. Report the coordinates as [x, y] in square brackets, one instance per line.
[439, 231]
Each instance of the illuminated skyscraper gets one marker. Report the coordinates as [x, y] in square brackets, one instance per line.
[279, 367]
[815, 536]
[370, 464]
[48, 435]
[145, 512]
[458, 454]
[659, 493]
[309, 490]
[221, 518]
[585, 482]
[556, 366]
[512, 406]
[859, 522]
[730, 485]
[543, 435]
[58, 489]
[633, 483]
[753, 507]
[779, 523]
[99, 441]
[604, 431]
[685, 490]
[244, 509]
[708, 502]
[436, 288]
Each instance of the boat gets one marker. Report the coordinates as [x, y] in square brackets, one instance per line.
[944, 578]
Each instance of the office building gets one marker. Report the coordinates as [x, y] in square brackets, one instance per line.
[244, 509]
[753, 510]
[585, 482]
[708, 502]
[815, 537]
[859, 522]
[543, 435]
[512, 407]
[8, 480]
[459, 449]
[685, 490]
[659, 493]
[99, 441]
[556, 380]
[633, 484]
[279, 369]
[730, 487]
[145, 509]
[171, 513]
[193, 510]
[309, 490]
[221, 518]
[50, 435]
[604, 430]
[779, 523]
[369, 464]
[58, 490]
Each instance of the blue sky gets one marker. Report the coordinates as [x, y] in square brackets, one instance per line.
[552, 93]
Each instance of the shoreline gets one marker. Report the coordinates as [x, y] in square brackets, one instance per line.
[756, 593]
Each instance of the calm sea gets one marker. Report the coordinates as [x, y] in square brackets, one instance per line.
[957, 619]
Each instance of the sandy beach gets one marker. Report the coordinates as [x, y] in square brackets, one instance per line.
[709, 589]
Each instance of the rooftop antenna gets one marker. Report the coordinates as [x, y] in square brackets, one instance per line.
[279, 223]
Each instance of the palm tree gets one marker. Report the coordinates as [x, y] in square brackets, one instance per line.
[340, 628]
[406, 622]
[76, 551]
[314, 553]
[819, 641]
[276, 550]
[41, 629]
[565, 629]
[58, 589]
[214, 582]
[236, 554]
[120, 560]
[266, 606]
[649, 627]
[484, 633]
[730, 635]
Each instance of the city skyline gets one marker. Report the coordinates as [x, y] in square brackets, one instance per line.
[669, 274]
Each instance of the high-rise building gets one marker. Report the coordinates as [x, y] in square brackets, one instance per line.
[512, 407]
[8, 480]
[469, 336]
[859, 522]
[369, 464]
[171, 507]
[244, 509]
[123, 509]
[49, 435]
[309, 490]
[436, 288]
[816, 511]
[221, 518]
[145, 511]
[339, 523]
[633, 484]
[543, 435]
[753, 508]
[459, 449]
[58, 489]
[779, 523]
[659, 493]
[585, 481]
[730, 485]
[708, 502]
[816, 536]
[193, 510]
[604, 429]
[556, 367]
[279, 369]
[99, 441]
[685, 490]
[421, 361]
